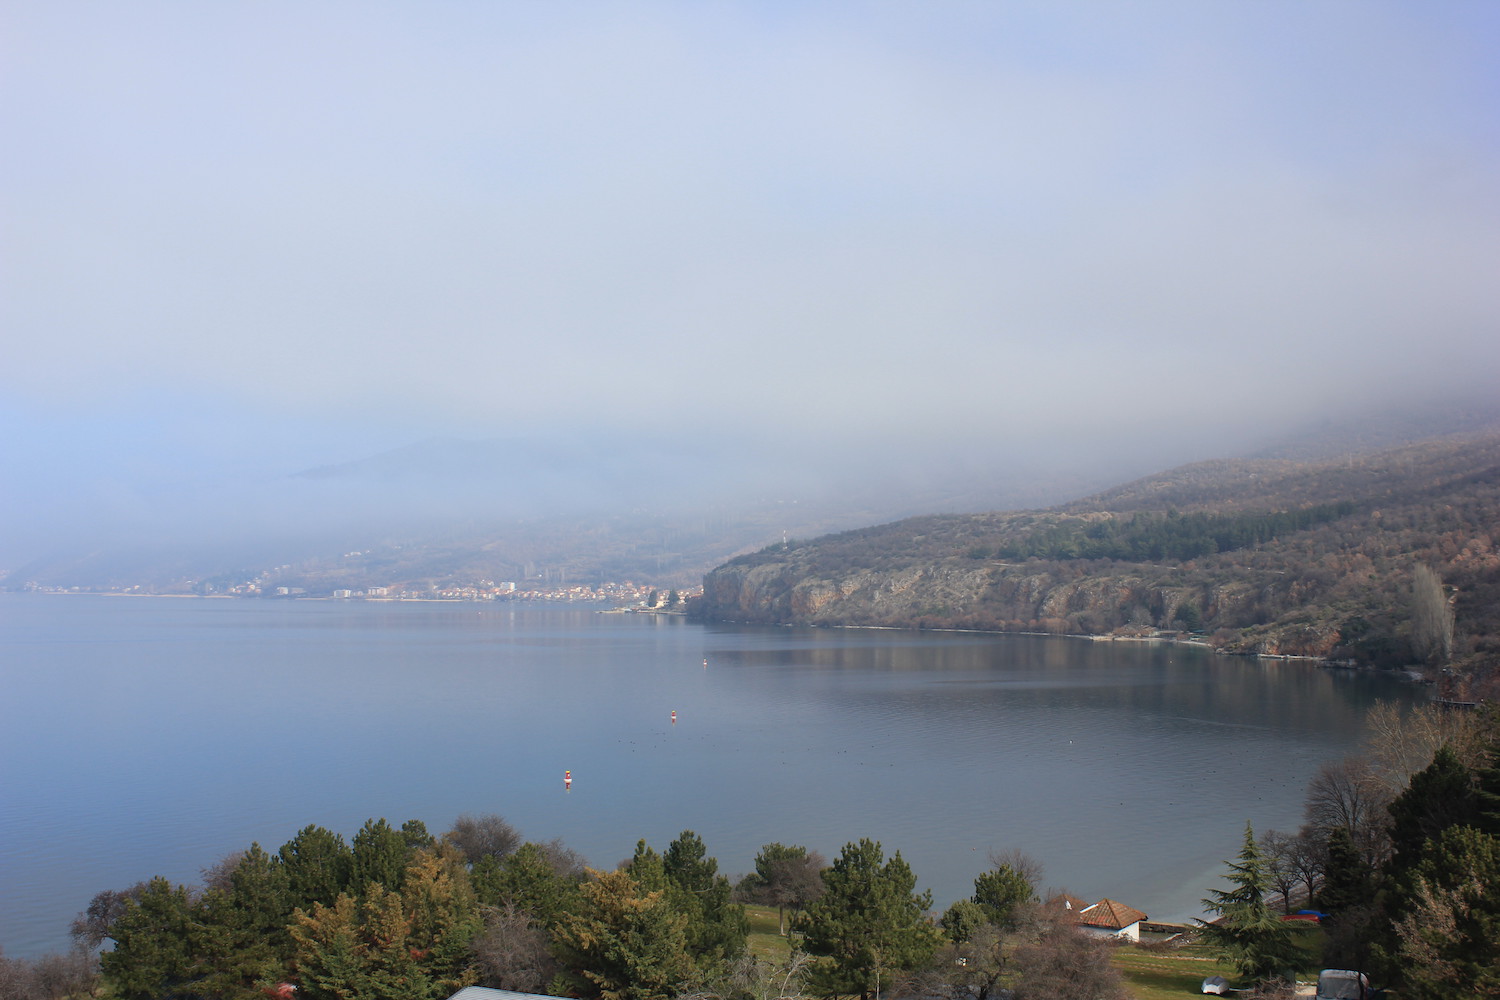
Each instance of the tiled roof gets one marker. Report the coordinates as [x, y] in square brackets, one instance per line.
[1068, 902]
[1110, 914]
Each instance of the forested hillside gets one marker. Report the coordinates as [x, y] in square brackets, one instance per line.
[1280, 557]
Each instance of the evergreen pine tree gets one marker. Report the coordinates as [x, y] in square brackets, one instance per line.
[1348, 880]
[1001, 891]
[1441, 795]
[1450, 935]
[252, 946]
[647, 869]
[624, 943]
[158, 943]
[717, 927]
[786, 877]
[444, 916]
[1349, 895]
[527, 881]
[318, 866]
[869, 923]
[962, 920]
[1487, 777]
[378, 854]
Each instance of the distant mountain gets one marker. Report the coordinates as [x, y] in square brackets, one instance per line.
[540, 510]
[656, 505]
[1259, 555]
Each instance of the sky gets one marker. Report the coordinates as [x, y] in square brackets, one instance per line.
[243, 239]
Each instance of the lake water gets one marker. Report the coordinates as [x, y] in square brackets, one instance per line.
[150, 737]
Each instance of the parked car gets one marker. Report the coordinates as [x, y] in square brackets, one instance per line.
[1343, 984]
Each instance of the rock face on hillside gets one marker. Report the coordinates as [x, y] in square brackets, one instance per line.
[1271, 557]
[1003, 598]
[774, 593]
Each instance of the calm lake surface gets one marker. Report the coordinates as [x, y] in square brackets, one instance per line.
[152, 736]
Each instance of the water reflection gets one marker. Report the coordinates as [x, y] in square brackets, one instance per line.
[151, 737]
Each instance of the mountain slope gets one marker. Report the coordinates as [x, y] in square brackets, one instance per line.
[1270, 556]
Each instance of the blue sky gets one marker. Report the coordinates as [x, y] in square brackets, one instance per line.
[270, 235]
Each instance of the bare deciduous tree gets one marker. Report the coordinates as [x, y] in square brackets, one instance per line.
[762, 979]
[972, 969]
[220, 874]
[758, 978]
[1309, 857]
[482, 836]
[1278, 850]
[51, 977]
[91, 927]
[70, 975]
[513, 953]
[1349, 794]
[565, 861]
[788, 981]
[16, 979]
[1403, 742]
[1020, 862]
[1064, 963]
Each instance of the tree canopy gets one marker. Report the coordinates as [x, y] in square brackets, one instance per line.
[869, 923]
[1250, 933]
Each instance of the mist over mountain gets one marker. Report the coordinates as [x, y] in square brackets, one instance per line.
[502, 289]
[660, 507]
[1323, 558]
[1386, 423]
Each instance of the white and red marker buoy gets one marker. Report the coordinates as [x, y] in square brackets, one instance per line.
[567, 781]
[674, 717]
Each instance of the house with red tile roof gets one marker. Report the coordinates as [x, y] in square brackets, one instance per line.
[1108, 918]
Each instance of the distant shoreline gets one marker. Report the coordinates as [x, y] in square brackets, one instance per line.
[1143, 639]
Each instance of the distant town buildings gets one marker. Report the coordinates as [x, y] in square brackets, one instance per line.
[623, 595]
[315, 580]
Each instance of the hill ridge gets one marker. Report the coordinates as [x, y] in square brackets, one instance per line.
[1330, 573]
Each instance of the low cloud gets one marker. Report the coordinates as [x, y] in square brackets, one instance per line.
[885, 236]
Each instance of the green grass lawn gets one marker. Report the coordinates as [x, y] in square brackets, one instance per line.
[1157, 974]
[1162, 973]
[765, 939]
